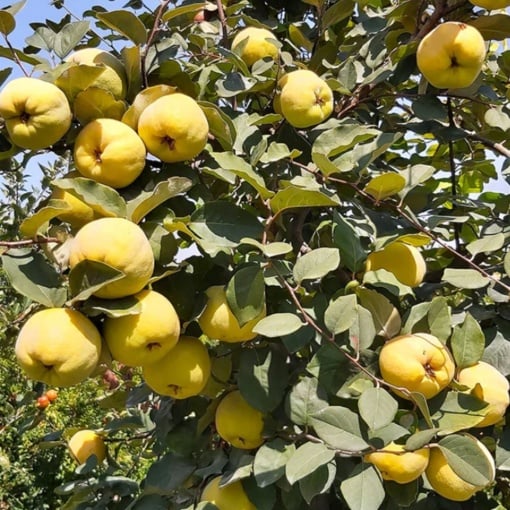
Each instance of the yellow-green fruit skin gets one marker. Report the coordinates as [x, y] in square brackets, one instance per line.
[228, 497]
[238, 423]
[491, 5]
[121, 244]
[397, 464]
[95, 103]
[403, 260]
[418, 362]
[112, 78]
[218, 322]
[257, 44]
[36, 113]
[58, 346]
[182, 372]
[305, 99]
[174, 128]
[451, 55]
[109, 152]
[147, 336]
[85, 443]
[493, 389]
[445, 481]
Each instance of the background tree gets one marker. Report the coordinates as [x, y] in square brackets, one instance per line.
[347, 247]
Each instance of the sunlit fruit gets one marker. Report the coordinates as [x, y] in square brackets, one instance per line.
[258, 43]
[85, 443]
[418, 362]
[36, 113]
[238, 423]
[144, 337]
[217, 320]
[182, 372]
[58, 346]
[227, 497]
[451, 55]
[121, 244]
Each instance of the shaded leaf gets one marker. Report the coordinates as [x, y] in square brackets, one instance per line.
[125, 23]
[304, 400]
[270, 461]
[246, 293]
[295, 197]
[467, 342]
[385, 316]
[363, 489]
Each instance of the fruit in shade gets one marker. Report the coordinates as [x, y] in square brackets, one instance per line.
[110, 152]
[174, 128]
[419, 362]
[305, 99]
[488, 384]
[85, 443]
[36, 113]
[238, 423]
[451, 55]
[42, 402]
[403, 260]
[182, 372]
[397, 464]
[227, 497]
[51, 395]
[217, 320]
[95, 103]
[144, 337]
[491, 5]
[259, 43]
[58, 346]
[109, 73]
[121, 244]
[443, 479]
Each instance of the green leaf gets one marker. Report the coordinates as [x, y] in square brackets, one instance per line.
[385, 316]
[131, 56]
[506, 262]
[174, 12]
[278, 151]
[377, 408]
[306, 459]
[402, 494]
[341, 313]
[167, 474]
[362, 331]
[304, 400]
[298, 38]
[278, 324]
[293, 197]
[31, 225]
[101, 198]
[126, 24]
[465, 278]
[317, 482]
[468, 342]
[439, 318]
[220, 125]
[163, 243]
[385, 185]
[316, 264]
[263, 377]
[348, 241]
[330, 367]
[339, 427]
[495, 27]
[497, 354]
[88, 276]
[487, 244]
[456, 411]
[31, 275]
[420, 439]
[363, 489]
[243, 170]
[246, 293]
[70, 35]
[467, 459]
[421, 403]
[270, 461]
[339, 11]
[147, 201]
[274, 249]
[7, 22]
[113, 308]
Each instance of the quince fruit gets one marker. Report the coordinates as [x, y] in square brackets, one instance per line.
[238, 423]
[110, 152]
[121, 244]
[36, 113]
[443, 479]
[397, 464]
[419, 362]
[451, 55]
[58, 346]
[491, 5]
[85, 443]
[95, 103]
[403, 260]
[488, 384]
[145, 337]
[258, 43]
[305, 99]
[174, 128]
[227, 497]
[182, 372]
[108, 73]
[218, 321]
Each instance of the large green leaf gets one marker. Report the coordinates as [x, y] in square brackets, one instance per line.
[68, 38]
[293, 197]
[493, 27]
[363, 489]
[377, 407]
[307, 459]
[167, 474]
[316, 264]
[341, 314]
[465, 278]
[278, 324]
[468, 342]
[270, 461]
[385, 316]
[304, 400]
[318, 481]
[125, 23]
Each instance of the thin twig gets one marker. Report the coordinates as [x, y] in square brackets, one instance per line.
[15, 56]
[223, 22]
[453, 179]
[29, 242]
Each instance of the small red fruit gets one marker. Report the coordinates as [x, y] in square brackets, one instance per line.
[43, 402]
[51, 395]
